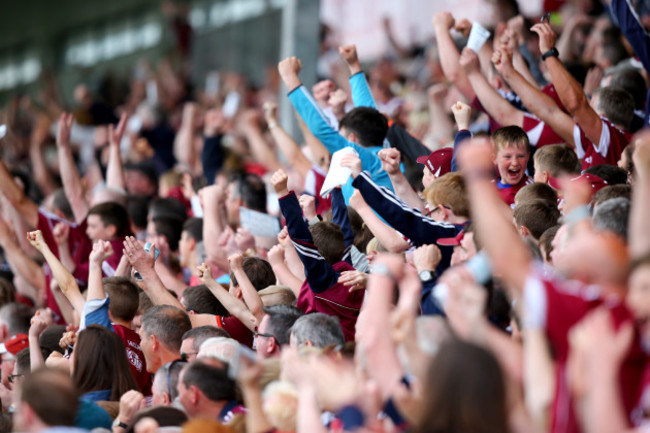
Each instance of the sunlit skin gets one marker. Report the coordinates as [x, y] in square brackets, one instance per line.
[638, 298]
[511, 163]
[96, 230]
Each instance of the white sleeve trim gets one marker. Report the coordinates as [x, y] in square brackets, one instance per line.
[535, 303]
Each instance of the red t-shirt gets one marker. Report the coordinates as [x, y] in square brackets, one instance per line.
[336, 301]
[508, 192]
[135, 356]
[236, 329]
[313, 184]
[539, 133]
[560, 305]
[607, 151]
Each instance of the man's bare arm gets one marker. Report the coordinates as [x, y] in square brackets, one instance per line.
[449, 56]
[115, 170]
[69, 175]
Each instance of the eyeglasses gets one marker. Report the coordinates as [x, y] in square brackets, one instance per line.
[259, 334]
[12, 377]
[185, 356]
[169, 367]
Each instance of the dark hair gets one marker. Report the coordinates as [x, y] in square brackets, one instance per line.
[7, 292]
[202, 333]
[144, 303]
[616, 104]
[557, 159]
[631, 80]
[362, 233]
[258, 271]
[328, 238]
[537, 216]
[100, 363]
[123, 297]
[213, 381]
[194, 228]
[60, 202]
[546, 241]
[17, 317]
[168, 324]
[368, 124]
[465, 391]
[612, 191]
[200, 300]
[609, 173]
[281, 319]
[51, 394]
[168, 208]
[22, 361]
[114, 214]
[137, 207]
[613, 48]
[170, 228]
[50, 338]
[165, 416]
[510, 136]
[252, 191]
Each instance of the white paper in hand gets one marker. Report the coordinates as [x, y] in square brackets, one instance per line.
[477, 37]
[337, 175]
[3, 131]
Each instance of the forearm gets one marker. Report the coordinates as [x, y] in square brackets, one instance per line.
[249, 294]
[260, 148]
[539, 377]
[386, 235]
[521, 66]
[509, 255]
[64, 279]
[449, 61]
[440, 126]
[95, 282]
[184, 149]
[495, 105]
[66, 258]
[35, 355]
[115, 170]
[16, 196]
[72, 184]
[640, 240]
[293, 262]
[212, 228]
[603, 409]
[67, 309]
[170, 280]
[256, 420]
[288, 278]
[568, 89]
[308, 417]
[404, 191]
[508, 352]
[42, 174]
[156, 290]
[319, 152]
[233, 305]
[291, 150]
[22, 264]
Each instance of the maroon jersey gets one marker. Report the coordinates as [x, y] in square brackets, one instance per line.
[507, 192]
[135, 356]
[336, 301]
[607, 151]
[558, 305]
[313, 184]
[236, 329]
[539, 133]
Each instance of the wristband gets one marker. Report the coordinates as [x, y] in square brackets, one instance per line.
[553, 52]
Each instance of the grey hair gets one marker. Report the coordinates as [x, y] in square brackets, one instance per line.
[612, 215]
[320, 329]
[168, 324]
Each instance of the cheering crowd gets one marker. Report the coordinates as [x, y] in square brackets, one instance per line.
[458, 241]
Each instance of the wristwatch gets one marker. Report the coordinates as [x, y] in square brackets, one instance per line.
[120, 424]
[427, 275]
[553, 52]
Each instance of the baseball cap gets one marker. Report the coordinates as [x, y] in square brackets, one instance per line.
[451, 242]
[596, 182]
[15, 344]
[438, 162]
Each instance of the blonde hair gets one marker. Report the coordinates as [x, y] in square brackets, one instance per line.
[449, 190]
[280, 405]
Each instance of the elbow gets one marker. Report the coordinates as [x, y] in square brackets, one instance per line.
[397, 246]
[574, 104]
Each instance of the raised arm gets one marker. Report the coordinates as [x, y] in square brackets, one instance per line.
[184, 148]
[233, 305]
[115, 170]
[282, 272]
[509, 255]
[539, 103]
[16, 196]
[102, 250]
[63, 277]
[496, 106]
[251, 297]
[19, 262]
[214, 198]
[390, 162]
[320, 274]
[144, 264]
[213, 153]
[69, 174]
[639, 239]
[568, 89]
[361, 96]
[286, 144]
[448, 54]
[249, 124]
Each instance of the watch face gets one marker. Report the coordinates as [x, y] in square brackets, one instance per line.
[426, 275]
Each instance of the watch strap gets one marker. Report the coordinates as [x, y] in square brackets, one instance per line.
[553, 52]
